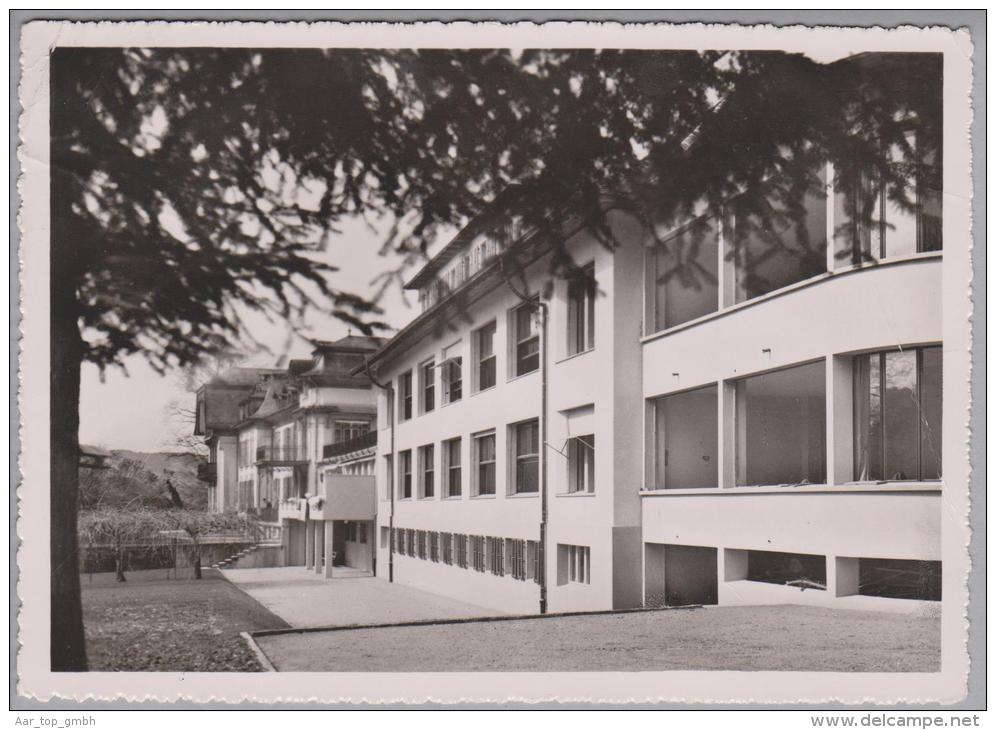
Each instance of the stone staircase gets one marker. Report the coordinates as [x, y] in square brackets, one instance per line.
[232, 560]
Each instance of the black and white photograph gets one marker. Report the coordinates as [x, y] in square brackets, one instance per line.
[542, 362]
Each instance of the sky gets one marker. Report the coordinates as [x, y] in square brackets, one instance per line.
[131, 410]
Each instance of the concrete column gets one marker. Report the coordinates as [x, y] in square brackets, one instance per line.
[309, 545]
[285, 540]
[319, 543]
[842, 576]
[726, 449]
[328, 548]
[733, 566]
[653, 574]
[840, 419]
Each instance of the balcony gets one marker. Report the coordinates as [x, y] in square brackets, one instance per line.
[293, 508]
[366, 441]
[207, 472]
[281, 456]
[344, 497]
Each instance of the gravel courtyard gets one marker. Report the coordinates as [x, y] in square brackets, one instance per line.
[786, 638]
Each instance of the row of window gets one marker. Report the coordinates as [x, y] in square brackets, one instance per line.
[762, 243]
[524, 443]
[524, 350]
[288, 440]
[496, 555]
[780, 421]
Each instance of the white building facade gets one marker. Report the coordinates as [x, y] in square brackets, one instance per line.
[731, 412]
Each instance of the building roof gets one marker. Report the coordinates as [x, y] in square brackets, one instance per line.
[349, 343]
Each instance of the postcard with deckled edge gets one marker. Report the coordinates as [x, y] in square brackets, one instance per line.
[579, 362]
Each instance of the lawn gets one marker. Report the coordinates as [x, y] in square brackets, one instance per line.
[150, 623]
[778, 638]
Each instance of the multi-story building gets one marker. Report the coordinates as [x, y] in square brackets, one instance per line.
[724, 411]
[301, 450]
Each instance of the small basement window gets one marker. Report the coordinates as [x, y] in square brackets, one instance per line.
[795, 569]
[910, 579]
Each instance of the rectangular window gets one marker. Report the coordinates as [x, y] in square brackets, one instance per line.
[405, 473]
[421, 546]
[427, 383]
[525, 339]
[410, 542]
[686, 274]
[484, 459]
[574, 564]
[781, 427]
[446, 547]
[581, 464]
[427, 471]
[460, 550]
[687, 440]
[477, 553]
[874, 221]
[399, 541]
[496, 555]
[581, 312]
[516, 551]
[405, 395]
[779, 237]
[434, 546]
[525, 456]
[484, 354]
[349, 430]
[897, 415]
[534, 563]
[452, 472]
[452, 380]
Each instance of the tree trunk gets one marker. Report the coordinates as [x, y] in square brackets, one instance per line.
[67, 650]
[119, 575]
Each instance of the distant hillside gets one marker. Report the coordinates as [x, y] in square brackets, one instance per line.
[139, 478]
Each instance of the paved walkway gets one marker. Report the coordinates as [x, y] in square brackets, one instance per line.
[304, 599]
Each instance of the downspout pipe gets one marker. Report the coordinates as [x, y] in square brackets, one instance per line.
[389, 389]
[544, 310]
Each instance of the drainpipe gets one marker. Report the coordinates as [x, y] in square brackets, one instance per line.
[544, 310]
[389, 389]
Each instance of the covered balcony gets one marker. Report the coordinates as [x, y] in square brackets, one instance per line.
[360, 443]
[344, 497]
[281, 456]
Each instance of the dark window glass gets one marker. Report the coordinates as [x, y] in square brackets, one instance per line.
[779, 238]
[687, 443]
[485, 446]
[486, 356]
[428, 375]
[687, 276]
[897, 415]
[581, 312]
[453, 471]
[526, 340]
[405, 465]
[527, 457]
[405, 388]
[781, 427]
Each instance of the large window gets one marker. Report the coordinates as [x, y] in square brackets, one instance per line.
[405, 473]
[405, 395]
[427, 471]
[875, 220]
[484, 459]
[452, 473]
[427, 383]
[484, 356]
[525, 456]
[897, 415]
[687, 440]
[685, 266]
[581, 464]
[581, 312]
[526, 339]
[781, 427]
[452, 379]
[779, 237]
[496, 555]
